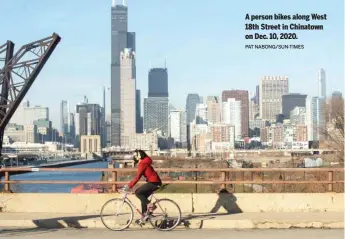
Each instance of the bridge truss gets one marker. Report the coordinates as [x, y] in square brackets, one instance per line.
[19, 72]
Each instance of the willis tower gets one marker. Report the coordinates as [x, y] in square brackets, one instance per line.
[120, 39]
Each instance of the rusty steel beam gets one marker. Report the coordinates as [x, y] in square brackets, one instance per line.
[8, 47]
[20, 72]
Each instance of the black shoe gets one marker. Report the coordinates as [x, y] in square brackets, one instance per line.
[139, 222]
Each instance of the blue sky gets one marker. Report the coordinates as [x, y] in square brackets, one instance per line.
[203, 42]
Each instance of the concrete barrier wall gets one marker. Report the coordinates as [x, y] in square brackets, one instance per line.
[197, 203]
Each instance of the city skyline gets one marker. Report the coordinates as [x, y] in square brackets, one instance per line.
[70, 66]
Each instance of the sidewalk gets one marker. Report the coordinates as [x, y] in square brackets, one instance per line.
[246, 220]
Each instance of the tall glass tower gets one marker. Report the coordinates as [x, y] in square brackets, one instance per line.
[64, 113]
[158, 82]
[321, 80]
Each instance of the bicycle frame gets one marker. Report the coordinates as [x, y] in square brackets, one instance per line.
[125, 198]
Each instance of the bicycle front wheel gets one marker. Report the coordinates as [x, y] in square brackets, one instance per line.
[117, 214]
[167, 215]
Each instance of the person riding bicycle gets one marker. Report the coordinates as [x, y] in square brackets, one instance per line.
[153, 182]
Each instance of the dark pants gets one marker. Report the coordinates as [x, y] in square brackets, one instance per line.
[144, 192]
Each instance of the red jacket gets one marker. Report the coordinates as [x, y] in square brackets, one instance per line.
[145, 168]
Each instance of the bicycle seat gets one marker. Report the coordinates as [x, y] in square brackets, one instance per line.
[161, 188]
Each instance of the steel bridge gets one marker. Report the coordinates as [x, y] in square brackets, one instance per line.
[18, 71]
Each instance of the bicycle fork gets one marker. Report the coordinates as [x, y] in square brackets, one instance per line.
[117, 211]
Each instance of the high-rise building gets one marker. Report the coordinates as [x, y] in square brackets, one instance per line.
[64, 114]
[128, 96]
[103, 123]
[200, 137]
[290, 101]
[253, 106]
[120, 39]
[242, 96]
[298, 116]
[192, 101]
[337, 95]
[271, 90]
[301, 133]
[88, 119]
[315, 118]
[44, 129]
[201, 114]
[231, 114]
[26, 115]
[156, 114]
[213, 109]
[223, 136]
[71, 128]
[178, 127]
[321, 80]
[15, 132]
[139, 120]
[31, 133]
[145, 141]
[257, 95]
[158, 82]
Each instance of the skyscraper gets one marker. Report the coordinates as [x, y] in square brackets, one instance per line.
[337, 95]
[25, 115]
[128, 96]
[213, 109]
[192, 101]
[232, 115]
[242, 96]
[201, 114]
[321, 80]
[88, 119]
[139, 120]
[257, 95]
[156, 114]
[253, 107]
[315, 118]
[271, 90]
[158, 82]
[103, 126]
[64, 114]
[290, 101]
[120, 39]
[178, 127]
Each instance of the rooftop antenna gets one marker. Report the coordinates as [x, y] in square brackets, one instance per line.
[123, 3]
[114, 3]
[165, 62]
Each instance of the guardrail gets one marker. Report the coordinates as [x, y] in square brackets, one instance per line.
[224, 178]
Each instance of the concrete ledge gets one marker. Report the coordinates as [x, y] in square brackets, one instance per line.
[189, 203]
[211, 221]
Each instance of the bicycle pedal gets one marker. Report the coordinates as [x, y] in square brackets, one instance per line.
[140, 223]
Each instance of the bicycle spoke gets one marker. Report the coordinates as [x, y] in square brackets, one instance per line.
[119, 216]
[166, 216]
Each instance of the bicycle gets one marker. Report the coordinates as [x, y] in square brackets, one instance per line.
[166, 224]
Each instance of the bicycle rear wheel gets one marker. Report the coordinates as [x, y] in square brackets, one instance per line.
[163, 220]
[117, 214]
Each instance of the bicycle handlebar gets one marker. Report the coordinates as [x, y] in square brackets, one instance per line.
[120, 190]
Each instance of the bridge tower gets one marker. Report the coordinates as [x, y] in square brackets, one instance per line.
[19, 73]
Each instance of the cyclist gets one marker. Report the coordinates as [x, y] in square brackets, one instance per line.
[153, 182]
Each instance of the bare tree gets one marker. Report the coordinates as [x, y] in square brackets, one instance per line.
[334, 132]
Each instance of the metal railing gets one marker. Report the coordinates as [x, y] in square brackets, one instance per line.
[223, 181]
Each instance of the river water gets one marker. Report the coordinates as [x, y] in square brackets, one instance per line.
[56, 188]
